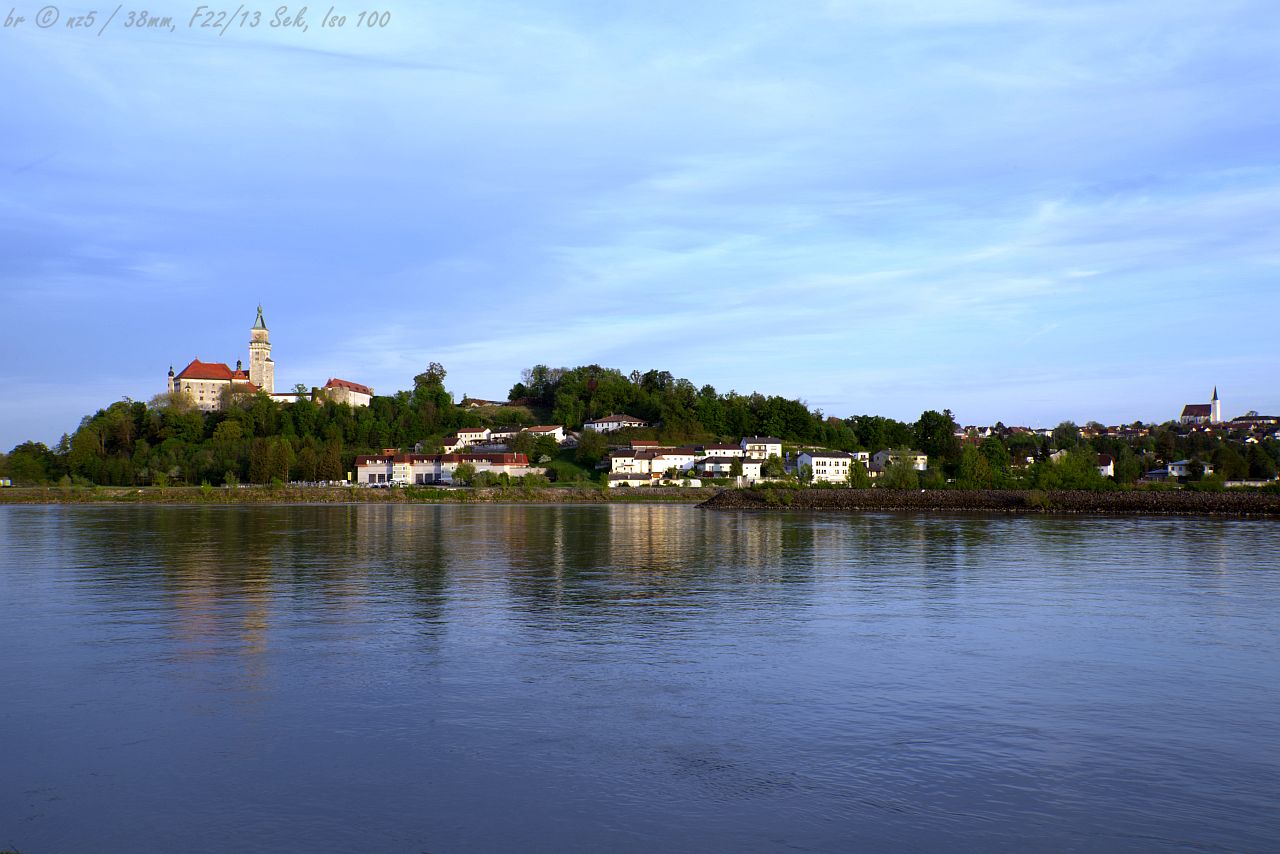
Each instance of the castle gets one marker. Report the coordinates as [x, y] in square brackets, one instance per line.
[206, 384]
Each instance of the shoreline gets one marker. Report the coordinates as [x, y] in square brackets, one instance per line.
[1007, 502]
[1003, 502]
[195, 495]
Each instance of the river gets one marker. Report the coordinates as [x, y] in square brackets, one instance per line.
[634, 678]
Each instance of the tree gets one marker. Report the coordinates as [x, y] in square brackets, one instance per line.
[935, 435]
[592, 447]
[773, 467]
[974, 471]
[900, 473]
[464, 473]
[859, 477]
[735, 467]
[1066, 436]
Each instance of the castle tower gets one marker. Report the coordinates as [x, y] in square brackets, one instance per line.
[262, 371]
[170, 379]
[1215, 408]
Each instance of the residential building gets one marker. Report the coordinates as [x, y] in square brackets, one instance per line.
[762, 447]
[1106, 465]
[883, 459]
[473, 435]
[723, 451]
[1182, 469]
[826, 466]
[555, 431]
[392, 466]
[610, 423]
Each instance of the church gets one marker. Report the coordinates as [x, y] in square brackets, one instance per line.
[205, 383]
[1203, 413]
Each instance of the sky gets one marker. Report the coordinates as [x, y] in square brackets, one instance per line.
[1021, 211]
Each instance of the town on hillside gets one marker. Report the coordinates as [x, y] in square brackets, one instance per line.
[224, 426]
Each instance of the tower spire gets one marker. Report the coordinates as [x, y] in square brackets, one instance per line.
[259, 323]
[1215, 393]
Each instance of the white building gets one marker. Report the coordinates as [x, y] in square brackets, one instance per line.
[555, 431]
[412, 469]
[828, 466]
[1106, 465]
[1182, 468]
[762, 447]
[883, 459]
[723, 451]
[610, 423]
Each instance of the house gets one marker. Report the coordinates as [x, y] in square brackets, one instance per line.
[1182, 469]
[665, 459]
[723, 451]
[762, 447]
[394, 467]
[502, 435]
[826, 466]
[473, 435]
[618, 479]
[555, 431]
[630, 462]
[345, 391]
[1106, 465]
[645, 445]
[452, 442]
[1203, 413]
[724, 466]
[881, 460]
[610, 423]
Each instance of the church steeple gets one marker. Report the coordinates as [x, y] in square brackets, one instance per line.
[1215, 408]
[1215, 393]
[259, 323]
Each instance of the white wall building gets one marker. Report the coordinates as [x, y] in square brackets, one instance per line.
[828, 466]
[882, 459]
[762, 447]
[555, 431]
[415, 469]
[610, 423]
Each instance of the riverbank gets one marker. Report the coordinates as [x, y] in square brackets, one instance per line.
[347, 495]
[1142, 502]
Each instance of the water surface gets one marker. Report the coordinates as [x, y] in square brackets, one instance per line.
[634, 678]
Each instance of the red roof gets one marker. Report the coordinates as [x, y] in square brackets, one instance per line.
[1197, 409]
[199, 370]
[349, 386]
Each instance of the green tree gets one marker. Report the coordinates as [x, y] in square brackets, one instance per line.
[935, 435]
[900, 473]
[464, 473]
[592, 447]
[773, 467]
[735, 467]
[1066, 436]
[859, 477]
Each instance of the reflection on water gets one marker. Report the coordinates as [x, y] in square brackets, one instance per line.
[634, 678]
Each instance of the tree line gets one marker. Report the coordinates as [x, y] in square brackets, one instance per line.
[253, 439]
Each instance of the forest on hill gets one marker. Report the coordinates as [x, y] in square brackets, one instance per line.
[253, 439]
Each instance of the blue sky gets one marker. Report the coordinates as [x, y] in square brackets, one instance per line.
[1026, 211]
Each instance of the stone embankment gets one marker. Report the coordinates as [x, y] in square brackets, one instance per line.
[1144, 502]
